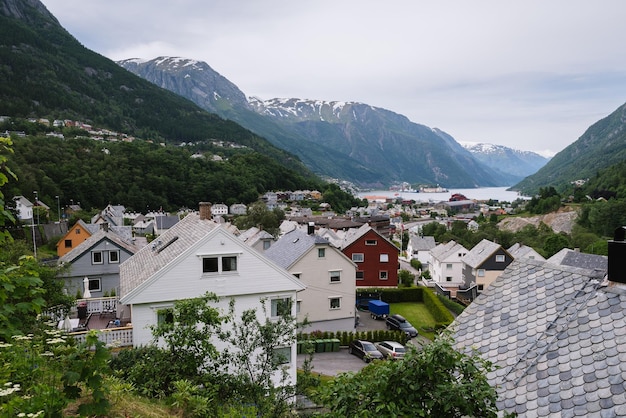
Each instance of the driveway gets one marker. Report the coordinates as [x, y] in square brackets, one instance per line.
[331, 364]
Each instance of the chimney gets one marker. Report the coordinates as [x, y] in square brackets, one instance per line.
[205, 211]
[104, 226]
[310, 228]
[617, 256]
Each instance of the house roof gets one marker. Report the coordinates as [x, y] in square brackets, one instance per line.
[518, 250]
[93, 240]
[480, 252]
[557, 336]
[443, 251]
[291, 246]
[153, 257]
[568, 257]
[253, 235]
[423, 243]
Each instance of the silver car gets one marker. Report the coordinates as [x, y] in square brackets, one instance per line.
[391, 350]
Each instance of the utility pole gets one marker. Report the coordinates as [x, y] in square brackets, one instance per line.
[34, 239]
[58, 208]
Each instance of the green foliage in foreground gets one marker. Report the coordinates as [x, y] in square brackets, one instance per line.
[435, 382]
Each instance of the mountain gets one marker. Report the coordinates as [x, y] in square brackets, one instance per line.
[602, 145]
[46, 73]
[367, 145]
[519, 164]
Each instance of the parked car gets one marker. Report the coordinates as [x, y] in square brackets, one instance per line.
[390, 349]
[365, 350]
[399, 323]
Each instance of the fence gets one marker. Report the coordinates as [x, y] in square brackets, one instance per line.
[112, 337]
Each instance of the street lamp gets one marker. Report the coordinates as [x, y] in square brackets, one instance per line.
[58, 208]
[37, 205]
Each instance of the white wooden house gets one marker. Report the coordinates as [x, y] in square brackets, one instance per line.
[196, 256]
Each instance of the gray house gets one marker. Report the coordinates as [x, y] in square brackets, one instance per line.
[97, 258]
[557, 336]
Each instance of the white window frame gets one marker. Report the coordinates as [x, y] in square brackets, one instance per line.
[274, 305]
[371, 242]
[384, 258]
[95, 288]
[221, 258]
[321, 253]
[330, 302]
[334, 274]
[384, 273]
[480, 272]
[500, 258]
[358, 257]
[117, 257]
[282, 352]
[362, 275]
[93, 256]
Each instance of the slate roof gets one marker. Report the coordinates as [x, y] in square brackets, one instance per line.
[518, 250]
[95, 239]
[568, 257]
[443, 251]
[480, 252]
[423, 243]
[253, 235]
[156, 255]
[291, 246]
[557, 335]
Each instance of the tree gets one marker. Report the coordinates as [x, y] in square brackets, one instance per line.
[260, 216]
[435, 382]
[406, 278]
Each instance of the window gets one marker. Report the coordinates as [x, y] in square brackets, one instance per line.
[481, 272]
[209, 265]
[297, 275]
[358, 257]
[94, 285]
[165, 316]
[499, 258]
[219, 264]
[371, 242]
[383, 275]
[321, 252]
[448, 278]
[68, 243]
[481, 287]
[96, 257]
[449, 266]
[384, 258]
[267, 244]
[360, 275]
[281, 307]
[114, 257]
[335, 302]
[77, 230]
[335, 276]
[298, 305]
[281, 355]
[229, 263]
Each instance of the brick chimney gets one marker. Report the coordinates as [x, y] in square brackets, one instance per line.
[617, 256]
[205, 211]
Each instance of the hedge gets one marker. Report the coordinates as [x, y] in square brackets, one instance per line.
[345, 337]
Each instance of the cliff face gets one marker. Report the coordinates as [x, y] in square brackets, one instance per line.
[29, 11]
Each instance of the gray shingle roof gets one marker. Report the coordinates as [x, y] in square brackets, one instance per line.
[443, 251]
[568, 257]
[291, 246]
[93, 240]
[557, 335]
[480, 252]
[423, 243]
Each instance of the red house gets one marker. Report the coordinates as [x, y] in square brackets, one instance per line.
[375, 256]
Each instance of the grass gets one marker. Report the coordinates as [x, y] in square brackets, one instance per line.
[418, 315]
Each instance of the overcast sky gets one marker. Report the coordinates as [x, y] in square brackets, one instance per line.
[529, 74]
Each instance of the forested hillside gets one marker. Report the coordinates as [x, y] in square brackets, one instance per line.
[142, 175]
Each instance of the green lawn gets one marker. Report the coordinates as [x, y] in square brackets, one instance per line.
[417, 314]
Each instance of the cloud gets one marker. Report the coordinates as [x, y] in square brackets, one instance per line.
[529, 74]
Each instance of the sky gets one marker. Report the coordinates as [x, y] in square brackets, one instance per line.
[528, 74]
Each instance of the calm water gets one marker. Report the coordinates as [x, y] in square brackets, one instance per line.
[482, 193]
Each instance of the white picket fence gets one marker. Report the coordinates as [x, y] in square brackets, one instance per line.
[112, 337]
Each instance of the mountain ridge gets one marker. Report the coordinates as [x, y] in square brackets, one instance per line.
[368, 145]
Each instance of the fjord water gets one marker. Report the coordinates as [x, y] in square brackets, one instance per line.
[500, 194]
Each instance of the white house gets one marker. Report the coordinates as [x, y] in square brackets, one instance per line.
[523, 251]
[419, 248]
[330, 278]
[219, 209]
[24, 208]
[196, 256]
[446, 266]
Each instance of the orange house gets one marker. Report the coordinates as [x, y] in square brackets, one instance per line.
[74, 237]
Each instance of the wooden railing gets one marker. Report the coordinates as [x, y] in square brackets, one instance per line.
[100, 305]
[112, 337]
